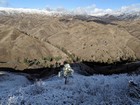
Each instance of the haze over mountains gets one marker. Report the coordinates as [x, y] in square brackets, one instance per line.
[35, 39]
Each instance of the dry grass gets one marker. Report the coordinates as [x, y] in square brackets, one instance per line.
[37, 36]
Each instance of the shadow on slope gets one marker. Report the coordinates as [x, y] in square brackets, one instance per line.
[84, 68]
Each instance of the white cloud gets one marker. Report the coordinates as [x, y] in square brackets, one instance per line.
[93, 10]
[131, 8]
[89, 10]
[61, 9]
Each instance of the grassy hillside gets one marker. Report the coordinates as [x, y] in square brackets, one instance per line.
[34, 41]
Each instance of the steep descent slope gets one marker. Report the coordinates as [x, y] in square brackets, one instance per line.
[133, 27]
[20, 50]
[94, 41]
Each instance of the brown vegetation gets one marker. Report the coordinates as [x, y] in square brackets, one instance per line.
[35, 41]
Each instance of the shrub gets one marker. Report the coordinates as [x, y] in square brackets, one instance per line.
[58, 58]
[48, 58]
[31, 62]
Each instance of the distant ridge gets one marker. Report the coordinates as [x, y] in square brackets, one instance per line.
[118, 15]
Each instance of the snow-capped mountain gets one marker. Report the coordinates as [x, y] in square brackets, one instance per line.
[126, 16]
[11, 11]
[44, 28]
[116, 15]
[123, 16]
[15, 11]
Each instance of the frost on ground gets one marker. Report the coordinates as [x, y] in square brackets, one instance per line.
[81, 90]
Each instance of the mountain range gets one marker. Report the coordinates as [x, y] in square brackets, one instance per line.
[36, 39]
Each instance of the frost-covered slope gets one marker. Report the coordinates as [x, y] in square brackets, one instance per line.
[81, 90]
[9, 81]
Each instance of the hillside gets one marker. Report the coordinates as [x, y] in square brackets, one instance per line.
[35, 40]
[81, 90]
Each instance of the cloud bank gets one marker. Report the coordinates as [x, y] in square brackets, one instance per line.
[89, 10]
[95, 11]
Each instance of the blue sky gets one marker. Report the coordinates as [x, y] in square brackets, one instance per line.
[68, 4]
